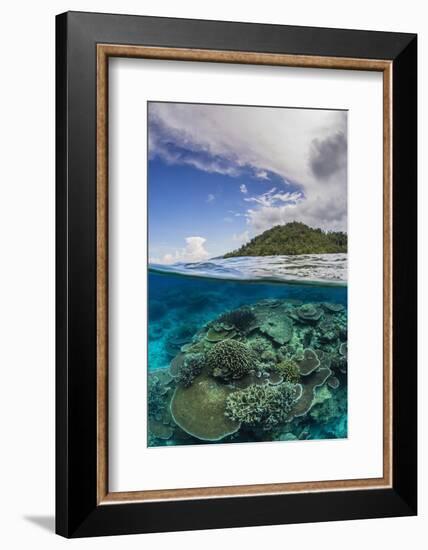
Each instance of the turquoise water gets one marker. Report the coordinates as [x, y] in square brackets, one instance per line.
[176, 301]
[184, 299]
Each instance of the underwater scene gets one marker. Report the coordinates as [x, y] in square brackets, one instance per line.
[247, 274]
[248, 349]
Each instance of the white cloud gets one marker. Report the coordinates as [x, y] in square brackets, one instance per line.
[169, 259]
[272, 197]
[194, 251]
[241, 238]
[210, 197]
[325, 211]
[243, 188]
[262, 175]
[304, 147]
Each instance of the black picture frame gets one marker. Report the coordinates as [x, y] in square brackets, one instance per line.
[78, 513]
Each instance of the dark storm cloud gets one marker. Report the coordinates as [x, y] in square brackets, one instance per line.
[328, 156]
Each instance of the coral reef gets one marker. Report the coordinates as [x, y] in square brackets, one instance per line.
[241, 318]
[194, 347]
[278, 327]
[262, 406]
[321, 394]
[260, 345]
[199, 410]
[277, 378]
[329, 330]
[160, 430]
[308, 363]
[287, 436]
[164, 376]
[304, 404]
[333, 382]
[156, 396]
[272, 370]
[289, 370]
[176, 364]
[190, 368]
[269, 302]
[230, 360]
[330, 409]
[340, 361]
[160, 424]
[304, 434]
[333, 307]
[218, 333]
[309, 313]
[251, 379]
[268, 357]
[285, 352]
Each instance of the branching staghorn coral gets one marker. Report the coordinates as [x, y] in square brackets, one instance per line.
[240, 318]
[156, 396]
[190, 368]
[262, 406]
[289, 370]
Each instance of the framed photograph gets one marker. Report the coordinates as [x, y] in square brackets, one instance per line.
[236, 274]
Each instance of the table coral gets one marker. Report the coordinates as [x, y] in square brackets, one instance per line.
[217, 334]
[199, 410]
[304, 404]
[333, 307]
[309, 313]
[309, 363]
[279, 327]
[275, 378]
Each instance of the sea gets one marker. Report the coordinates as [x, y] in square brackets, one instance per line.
[186, 296]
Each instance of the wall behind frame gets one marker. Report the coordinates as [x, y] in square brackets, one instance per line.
[27, 270]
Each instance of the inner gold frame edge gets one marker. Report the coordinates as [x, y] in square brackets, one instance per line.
[104, 51]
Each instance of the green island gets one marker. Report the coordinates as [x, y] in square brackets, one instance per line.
[291, 239]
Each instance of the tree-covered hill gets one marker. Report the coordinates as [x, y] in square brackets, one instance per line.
[293, 238]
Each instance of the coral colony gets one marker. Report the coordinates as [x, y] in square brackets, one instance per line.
[274, 370]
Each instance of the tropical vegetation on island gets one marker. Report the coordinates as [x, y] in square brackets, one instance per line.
[291, 239]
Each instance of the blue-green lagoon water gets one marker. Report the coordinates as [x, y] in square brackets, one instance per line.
[248, 349]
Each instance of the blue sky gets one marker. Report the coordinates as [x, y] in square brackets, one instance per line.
[218, 175]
